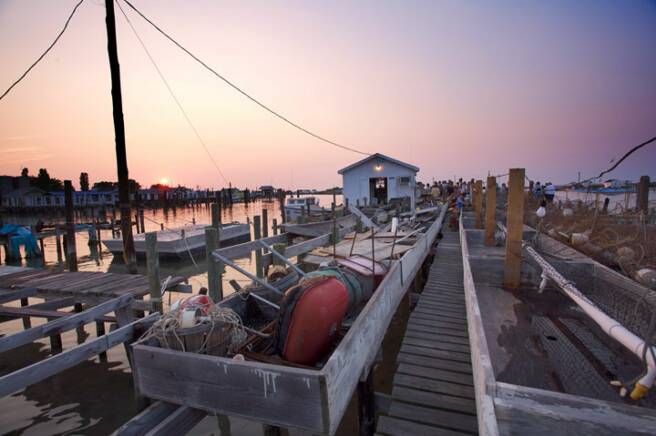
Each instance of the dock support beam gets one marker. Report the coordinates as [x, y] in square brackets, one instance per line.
[515, 228]
[642, 201]
[490, 210]
[214, 268]
[367, 404]
[257, 234]
[152, 270]
[478, 203]
[216, 215]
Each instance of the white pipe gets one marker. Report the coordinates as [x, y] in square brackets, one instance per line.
[612, 327]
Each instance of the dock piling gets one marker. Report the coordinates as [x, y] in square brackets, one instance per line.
[515, 228]
[152, 271]
[490, 210]
[478, 203]
[265, 223]
[642, 200]
[257, 234]
[214, 268]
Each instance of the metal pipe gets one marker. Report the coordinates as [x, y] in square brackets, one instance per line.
[256, 279]
[283, 259]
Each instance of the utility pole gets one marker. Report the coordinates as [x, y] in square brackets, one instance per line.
[129, 255]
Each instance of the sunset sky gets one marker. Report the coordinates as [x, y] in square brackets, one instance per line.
[454, 87]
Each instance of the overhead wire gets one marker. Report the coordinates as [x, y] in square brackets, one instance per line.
[627, 154]
[52, 44]
[241, 91]
[175, 98]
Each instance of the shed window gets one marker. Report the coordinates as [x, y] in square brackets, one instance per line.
[404, 181]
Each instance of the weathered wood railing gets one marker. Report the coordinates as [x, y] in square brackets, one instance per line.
[484, 381]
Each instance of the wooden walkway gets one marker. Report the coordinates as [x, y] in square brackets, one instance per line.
[87, 287]
[433, 390]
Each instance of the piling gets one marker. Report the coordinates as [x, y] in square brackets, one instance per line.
[141, 221]
[280, 248]
[478, 203]
[100, 331]
[274, 225]
[71, 252]
[265, 223]
[642, 200]
[490, 210]
[515, 228]
[27, 323]
[257, 234]
[214, 269]
[152, 271]
[216, 215]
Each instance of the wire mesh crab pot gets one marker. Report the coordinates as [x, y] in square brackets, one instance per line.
[206, 338]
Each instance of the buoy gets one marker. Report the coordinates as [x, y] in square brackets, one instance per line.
[647, 277]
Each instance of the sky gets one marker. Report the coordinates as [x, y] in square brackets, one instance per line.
[457, 88]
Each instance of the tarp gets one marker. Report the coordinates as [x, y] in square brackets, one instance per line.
[19, 235]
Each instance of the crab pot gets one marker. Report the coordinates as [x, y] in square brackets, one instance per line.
[216, 339]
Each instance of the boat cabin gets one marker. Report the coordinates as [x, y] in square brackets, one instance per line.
[377, 179]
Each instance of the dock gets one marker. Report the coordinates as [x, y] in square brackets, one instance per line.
[433, 391]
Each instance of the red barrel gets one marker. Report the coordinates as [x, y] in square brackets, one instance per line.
[311, 316]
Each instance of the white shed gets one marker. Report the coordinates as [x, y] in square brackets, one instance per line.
[377, 179]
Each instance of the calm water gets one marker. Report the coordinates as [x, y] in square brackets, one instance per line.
[97, 397]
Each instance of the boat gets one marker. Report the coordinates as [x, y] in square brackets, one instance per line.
[178, 242]
[296, 207]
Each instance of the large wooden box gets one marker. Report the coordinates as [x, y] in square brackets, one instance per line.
[314, 400]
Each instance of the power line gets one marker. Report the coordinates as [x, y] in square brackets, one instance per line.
[627, 154]
[244, 93]
[68, 20]
[177, 102]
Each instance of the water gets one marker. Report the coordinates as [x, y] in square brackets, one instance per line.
[97, 397]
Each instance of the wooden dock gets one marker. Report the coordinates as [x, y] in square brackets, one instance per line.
[86, 287]
[433, 390]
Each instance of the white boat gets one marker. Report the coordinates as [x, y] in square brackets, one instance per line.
[295, 207]
[178, 242]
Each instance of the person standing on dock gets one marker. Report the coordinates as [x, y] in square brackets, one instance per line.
[549, 192]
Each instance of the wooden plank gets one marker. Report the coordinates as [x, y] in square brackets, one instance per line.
[439, 354]
[515, 228]
[537, 411]
[434, 336]
[147, 419]
[179, 422]
[26, 312]
[442, 324]
[438, 345]
[61, 325]
[398, 427]
[54, 304]
[437, 386]
[36, 372]
[432, 399]
[453, 421]
[435, 374]
[6, 297]
[432, 362]
[244, 249]
[272, 394]
[440, 318]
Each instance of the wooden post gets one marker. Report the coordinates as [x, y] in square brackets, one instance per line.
[642, 200]
[257, 234]
[478, 203]
[214, 269]
[129, 255]
[265, 223]
[334, 232]
[274, 225]
[71, 252]
[490, 210]
[100, 330]
[515, 228]
[27, 323]
[79, 330]
[216, 222]
[367, 404]
[141, 221]
[280, 248]
[152, 271]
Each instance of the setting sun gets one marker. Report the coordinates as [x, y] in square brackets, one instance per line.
[164, 181]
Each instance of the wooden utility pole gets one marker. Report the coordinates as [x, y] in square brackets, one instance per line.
[490, 210]
[515, 228]
[129, 255]
[71, 251]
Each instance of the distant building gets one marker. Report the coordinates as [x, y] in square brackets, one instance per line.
[377, 179]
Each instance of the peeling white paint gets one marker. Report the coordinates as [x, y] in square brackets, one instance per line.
[268, 380]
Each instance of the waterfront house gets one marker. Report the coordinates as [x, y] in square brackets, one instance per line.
[377, 179]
